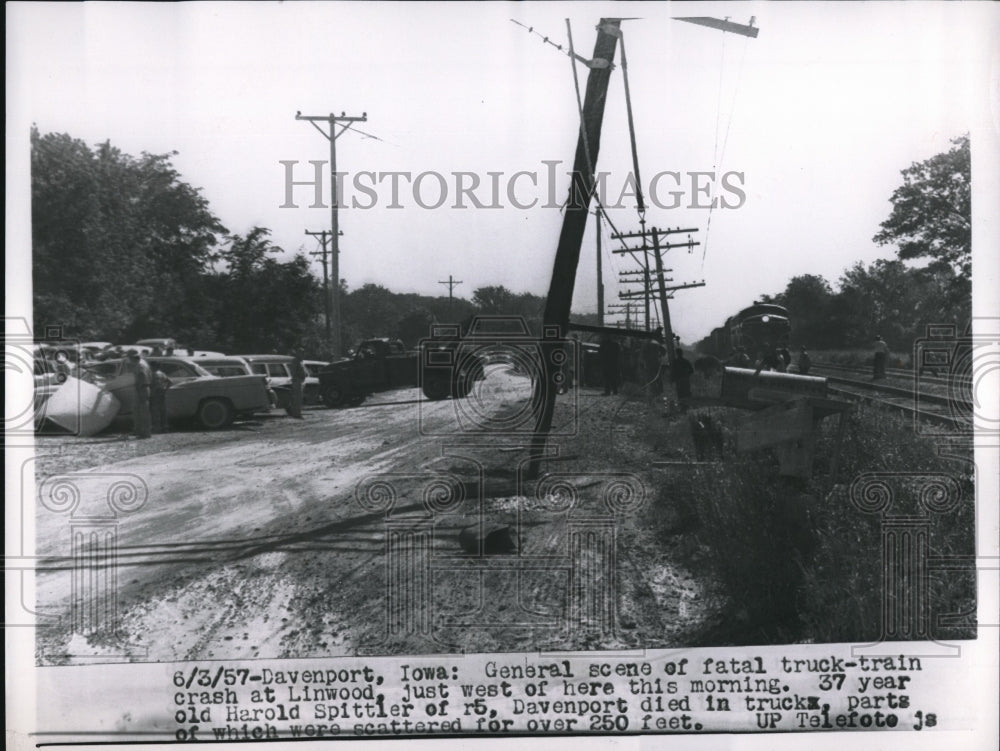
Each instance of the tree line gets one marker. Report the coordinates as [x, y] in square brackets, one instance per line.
[930, 224]
[124, 249]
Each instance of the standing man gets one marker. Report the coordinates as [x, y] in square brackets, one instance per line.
[680, 373]
[141, 419]
[785, 357]
[805, 362]
[158, 400]
[610, 355]
[881, 355]
[294, 408]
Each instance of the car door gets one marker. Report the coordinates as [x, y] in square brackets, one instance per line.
[185, 390]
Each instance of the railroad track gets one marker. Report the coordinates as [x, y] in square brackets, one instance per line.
[951, 381]
[920, 405]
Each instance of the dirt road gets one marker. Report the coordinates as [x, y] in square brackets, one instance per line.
[339, 534]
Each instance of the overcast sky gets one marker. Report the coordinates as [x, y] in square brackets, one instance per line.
[817, 115]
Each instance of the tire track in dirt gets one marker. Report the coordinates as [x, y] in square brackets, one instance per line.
[257, 547]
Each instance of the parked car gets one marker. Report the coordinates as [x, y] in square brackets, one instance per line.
[194, 392]
[278, 369]
[224, 366]
[310, 390]
[164, 343]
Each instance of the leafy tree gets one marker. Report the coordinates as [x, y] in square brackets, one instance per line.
[414, 326]
[264, 305]
[807, 299]
[119, 243]
[493, 300]
[890, 299]
[931, 212]
[369, 311]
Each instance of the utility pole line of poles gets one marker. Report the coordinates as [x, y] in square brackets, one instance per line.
[324, 237]
[657, 250]
[618, 308]
[333, 290]
[452, 283]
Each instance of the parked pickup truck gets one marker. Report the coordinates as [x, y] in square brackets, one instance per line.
[384, 364]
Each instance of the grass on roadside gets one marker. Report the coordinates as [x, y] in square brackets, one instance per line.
[798, 560]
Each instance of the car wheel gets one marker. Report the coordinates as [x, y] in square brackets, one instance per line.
[436, 389]
[215, 413]
[335, 394]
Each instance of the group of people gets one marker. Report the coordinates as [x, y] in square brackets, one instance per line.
[149, 413]
[778, 359]
[652, 363]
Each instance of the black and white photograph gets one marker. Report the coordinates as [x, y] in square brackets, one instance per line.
[560, 372]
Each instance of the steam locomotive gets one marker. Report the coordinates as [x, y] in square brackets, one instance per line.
[750, 329]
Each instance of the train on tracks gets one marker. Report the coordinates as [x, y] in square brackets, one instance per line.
[751, 329]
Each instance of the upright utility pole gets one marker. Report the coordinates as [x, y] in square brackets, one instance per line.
[324, 236]
[452, 283]
[557, 304]
[333, 290]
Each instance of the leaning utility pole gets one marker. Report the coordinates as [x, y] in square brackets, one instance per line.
[600, 276]
[555, 319]
[333, 289]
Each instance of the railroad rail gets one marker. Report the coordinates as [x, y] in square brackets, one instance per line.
[918, 405]
[949, 382]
